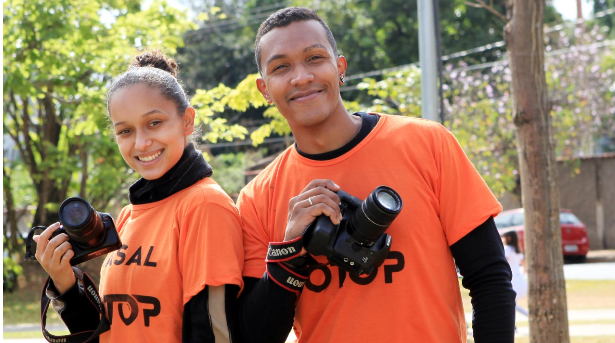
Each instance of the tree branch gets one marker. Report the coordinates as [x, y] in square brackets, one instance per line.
[27, 141]
[84, 169]
[490, 8]
[59, 98]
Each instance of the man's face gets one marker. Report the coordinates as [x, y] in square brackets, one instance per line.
[301, 73]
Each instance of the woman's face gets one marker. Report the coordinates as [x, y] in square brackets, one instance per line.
[150, 134]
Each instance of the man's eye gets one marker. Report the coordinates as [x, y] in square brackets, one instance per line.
[315, 58]
[279, 67]
[122, 132]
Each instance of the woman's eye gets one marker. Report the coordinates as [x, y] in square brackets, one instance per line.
[278, 67]
[155, 122]
[122, 132]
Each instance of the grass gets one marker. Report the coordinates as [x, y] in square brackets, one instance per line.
[575, 339]
[580, 294]
[24, 307]
[31, 334]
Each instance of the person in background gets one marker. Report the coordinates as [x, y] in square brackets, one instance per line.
[179, 268]
[515, 258]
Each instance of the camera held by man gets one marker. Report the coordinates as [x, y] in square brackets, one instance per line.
[358, 244]
[90, 233]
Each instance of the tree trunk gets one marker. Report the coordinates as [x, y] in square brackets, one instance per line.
[47, 189]
[547, 293]
[11, 244]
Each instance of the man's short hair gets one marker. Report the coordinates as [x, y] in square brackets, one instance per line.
[285, 17]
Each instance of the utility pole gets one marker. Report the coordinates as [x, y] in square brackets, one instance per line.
[428, 60]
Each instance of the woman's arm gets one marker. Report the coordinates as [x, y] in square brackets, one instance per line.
[76, 311]
[211, 316]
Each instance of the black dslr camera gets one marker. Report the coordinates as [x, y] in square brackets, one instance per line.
[358, 244]
[90, 233]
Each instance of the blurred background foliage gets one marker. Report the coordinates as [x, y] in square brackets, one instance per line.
[60, 55]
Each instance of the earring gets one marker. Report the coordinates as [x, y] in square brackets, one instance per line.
[342, 80]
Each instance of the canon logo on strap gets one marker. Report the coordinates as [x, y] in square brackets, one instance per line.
[272, 252]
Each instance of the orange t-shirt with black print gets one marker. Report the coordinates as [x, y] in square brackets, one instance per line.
[170, 250]
[414, 296]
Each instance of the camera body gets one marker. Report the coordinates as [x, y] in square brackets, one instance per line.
[358, 244]
[90, 233]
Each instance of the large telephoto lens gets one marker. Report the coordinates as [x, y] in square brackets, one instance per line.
[81, 221]
[375, 215]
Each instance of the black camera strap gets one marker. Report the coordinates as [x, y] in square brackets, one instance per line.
[284, 251]
[280, 273]
[92, 295]
[285, 277]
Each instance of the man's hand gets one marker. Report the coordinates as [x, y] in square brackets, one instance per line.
[317, 198]
[54, 255]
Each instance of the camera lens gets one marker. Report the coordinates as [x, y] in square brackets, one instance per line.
[375, 215]
[80, 221]
[387, 200]
[75, 213]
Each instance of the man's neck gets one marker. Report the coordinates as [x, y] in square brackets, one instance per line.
[330, 135]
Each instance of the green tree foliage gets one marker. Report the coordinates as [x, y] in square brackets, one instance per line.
[229, 169]
[59, 56]
[221, 50]
[607, 21]
[580, 74]
[373, 34]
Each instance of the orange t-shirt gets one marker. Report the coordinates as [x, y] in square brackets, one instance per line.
[170, 250]
[414, 296]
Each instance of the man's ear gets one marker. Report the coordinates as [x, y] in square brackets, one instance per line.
[188, 118]
[262, 87]
[341, 65]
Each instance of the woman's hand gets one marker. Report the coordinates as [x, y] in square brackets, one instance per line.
[54, 255]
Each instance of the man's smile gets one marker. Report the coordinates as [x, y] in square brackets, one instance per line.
[305, 95]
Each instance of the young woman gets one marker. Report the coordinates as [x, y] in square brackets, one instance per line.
[178, 273]
[515, 258]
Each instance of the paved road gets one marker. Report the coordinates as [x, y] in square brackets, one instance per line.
[590, 271]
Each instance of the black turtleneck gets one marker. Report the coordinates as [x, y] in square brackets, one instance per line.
[190, 168]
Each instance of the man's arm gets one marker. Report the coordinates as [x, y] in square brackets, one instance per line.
[267, 304]
[266, 311]
[486, 273]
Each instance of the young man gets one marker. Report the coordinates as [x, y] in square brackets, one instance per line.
[447, 210]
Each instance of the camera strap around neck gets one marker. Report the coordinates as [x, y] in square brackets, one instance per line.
[92, 295]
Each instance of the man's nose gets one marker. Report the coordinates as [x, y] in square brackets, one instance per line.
[302, 75]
